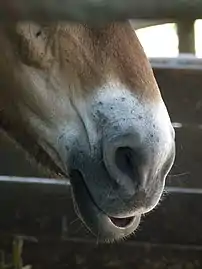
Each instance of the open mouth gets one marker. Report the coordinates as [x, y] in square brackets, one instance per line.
[122, 222]
[108, 227]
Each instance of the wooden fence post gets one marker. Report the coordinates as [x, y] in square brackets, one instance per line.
[186, 35]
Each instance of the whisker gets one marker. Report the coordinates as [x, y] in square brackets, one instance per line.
[180, 174]
[79, 228]
[75, 220]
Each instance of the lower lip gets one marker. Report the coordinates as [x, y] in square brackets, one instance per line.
[94, 218]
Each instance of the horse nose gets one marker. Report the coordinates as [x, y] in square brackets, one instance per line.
[132, 162]
[124, 162]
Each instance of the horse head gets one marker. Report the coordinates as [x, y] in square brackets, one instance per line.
[87, 98]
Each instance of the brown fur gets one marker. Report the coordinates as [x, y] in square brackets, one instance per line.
[88, 56]
[91, 55]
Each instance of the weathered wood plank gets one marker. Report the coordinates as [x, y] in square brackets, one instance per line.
[180, 81]
[181, 87]
[186, 36]
[49, 215]
[186, 171]
[97, 12]
[89, 255]
[14, 161]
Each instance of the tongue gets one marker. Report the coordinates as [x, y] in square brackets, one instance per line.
[121, 222]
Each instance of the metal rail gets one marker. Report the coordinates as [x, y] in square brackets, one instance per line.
[97, 12]
[184, 61]
[56, 187]
[35, 206]
[24, 185]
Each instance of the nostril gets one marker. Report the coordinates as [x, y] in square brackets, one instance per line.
[126, 161]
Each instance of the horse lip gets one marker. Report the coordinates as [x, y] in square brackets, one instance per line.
[93, 217]
[122, 223]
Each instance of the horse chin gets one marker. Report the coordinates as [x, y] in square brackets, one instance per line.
[105, 228]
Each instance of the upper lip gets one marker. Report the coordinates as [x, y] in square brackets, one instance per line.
[112, 218]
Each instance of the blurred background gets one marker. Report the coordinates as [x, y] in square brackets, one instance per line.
[162, 40]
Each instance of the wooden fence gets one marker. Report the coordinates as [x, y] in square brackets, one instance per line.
[99, 12]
